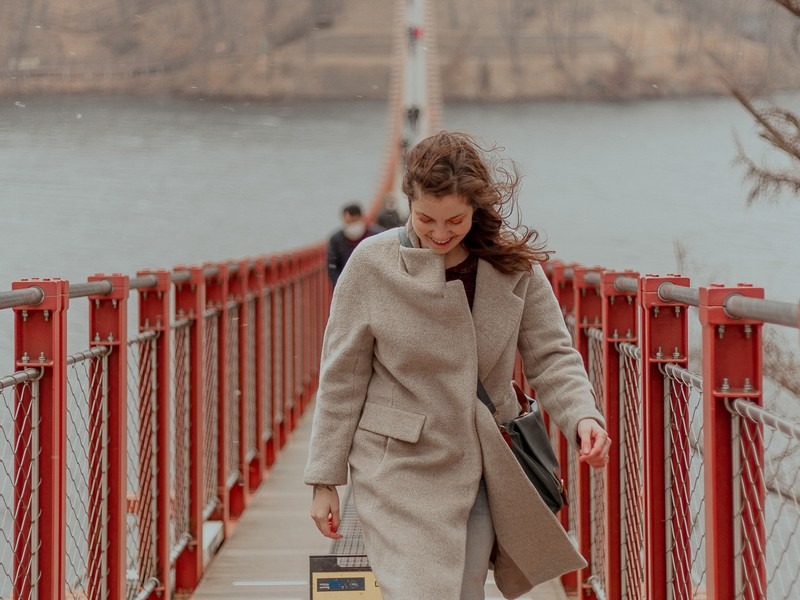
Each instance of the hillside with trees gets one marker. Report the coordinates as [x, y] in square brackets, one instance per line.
[489, 50]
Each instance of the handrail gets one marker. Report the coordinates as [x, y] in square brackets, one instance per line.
[28, 297]
[736, 305]
[769, 311]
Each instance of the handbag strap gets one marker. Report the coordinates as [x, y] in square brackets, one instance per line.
[484, 397]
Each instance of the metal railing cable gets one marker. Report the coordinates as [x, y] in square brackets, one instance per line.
[631, 474]
[597, 564]
[768, 482]
[142, 449]
[211, 410]
[685, 496]
[87, 466]
[180, 450]
[19, 484]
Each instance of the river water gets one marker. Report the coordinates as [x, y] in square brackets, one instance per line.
[105, 184]
[98, 184]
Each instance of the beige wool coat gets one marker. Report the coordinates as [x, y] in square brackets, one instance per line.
[397, 403]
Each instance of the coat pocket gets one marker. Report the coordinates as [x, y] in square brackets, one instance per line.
[392, 422]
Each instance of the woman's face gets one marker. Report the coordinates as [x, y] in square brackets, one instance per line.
[441, 223]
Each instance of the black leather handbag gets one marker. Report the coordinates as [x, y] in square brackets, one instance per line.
[528, 439]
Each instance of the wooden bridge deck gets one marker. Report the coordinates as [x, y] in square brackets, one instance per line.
[267, 555]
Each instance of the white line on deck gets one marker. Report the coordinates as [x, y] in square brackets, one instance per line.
[269, 583]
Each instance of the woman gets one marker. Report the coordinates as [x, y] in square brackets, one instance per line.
[438, 493]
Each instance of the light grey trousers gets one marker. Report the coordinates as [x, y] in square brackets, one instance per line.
[480, 539]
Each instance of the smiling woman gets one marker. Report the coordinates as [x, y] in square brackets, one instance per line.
[413, 328]
[442, 224]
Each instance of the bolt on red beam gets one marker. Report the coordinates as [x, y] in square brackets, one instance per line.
[190, 303]
[619, 323]
[155, 315]
[108, 326]
[732, 368]
[217, 299]
[588, 311]
[40, 341]
[664, 339]
[563, 286]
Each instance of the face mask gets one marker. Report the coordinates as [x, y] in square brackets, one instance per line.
[354, 231]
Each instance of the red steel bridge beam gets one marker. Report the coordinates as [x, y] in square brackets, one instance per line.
[217, 299]
[732, 368]
[108, 326]
[40, 341]
[588, 313]
[664, 339]
[565, 296]
[619, 322]
[154, 315]
[190, 303]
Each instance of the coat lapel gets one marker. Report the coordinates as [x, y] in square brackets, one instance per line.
[422, 264]
[496, 312]
[497, 309]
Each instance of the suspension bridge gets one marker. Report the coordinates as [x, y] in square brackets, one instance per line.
[164, 459]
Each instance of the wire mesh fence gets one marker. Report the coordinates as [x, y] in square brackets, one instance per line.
[179, 438]
[211, 410]
[685, 492]
[19, 485]
[249, 331]
[631, 474]
[87, 467]
[142, 486]
[597, 564]
[768, 516]
[267, 334]
[279, 368]
[232, 409]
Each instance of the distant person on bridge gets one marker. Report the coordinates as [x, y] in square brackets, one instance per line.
[342, 243]
[414, 325]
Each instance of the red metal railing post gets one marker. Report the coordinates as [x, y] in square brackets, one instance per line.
[40, 341]
[154, 315]
[307, 326]
[108, 326]
[588, 313]
[238, 291]
[217, 298]
[190, 303]
[565, 296]
[255, 286]
[296, 389]
[619, 325]
[732, 368]
[283, 387]
[664, 338]
[270, 425]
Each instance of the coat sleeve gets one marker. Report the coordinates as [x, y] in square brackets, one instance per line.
[345, 371]
[552, 365]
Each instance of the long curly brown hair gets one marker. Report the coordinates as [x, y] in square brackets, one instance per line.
[452, 162]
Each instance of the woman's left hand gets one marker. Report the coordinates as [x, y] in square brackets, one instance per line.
[595, 443]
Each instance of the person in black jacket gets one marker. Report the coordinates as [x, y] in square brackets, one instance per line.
[343, 242]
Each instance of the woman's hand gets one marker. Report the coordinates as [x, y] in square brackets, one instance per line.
[325, 510]
[595, 443]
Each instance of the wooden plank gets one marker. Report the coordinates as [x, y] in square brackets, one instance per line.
[267, 556]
